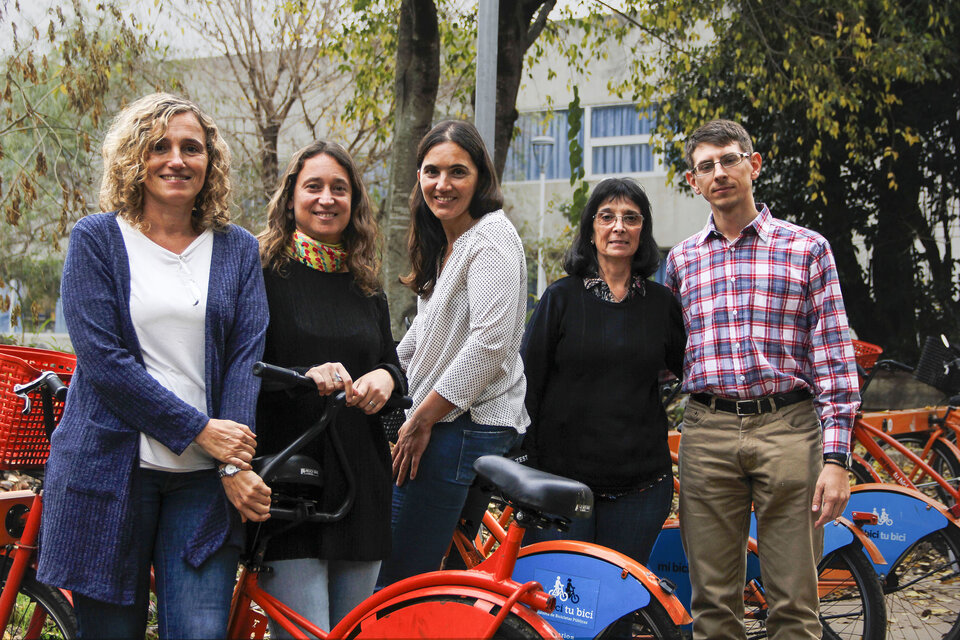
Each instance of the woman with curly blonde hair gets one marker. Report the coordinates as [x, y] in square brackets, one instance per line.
[329, 319]
[150, 464]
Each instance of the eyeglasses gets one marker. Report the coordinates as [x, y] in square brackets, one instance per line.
[728, 161]
[610, 219]
[187, 277]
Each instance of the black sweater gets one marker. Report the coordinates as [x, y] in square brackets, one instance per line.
[318, 317]
[592, 369]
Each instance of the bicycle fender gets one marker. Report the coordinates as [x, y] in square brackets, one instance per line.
[441, 611]
[865, 542]
[593, 585]
[903, 517]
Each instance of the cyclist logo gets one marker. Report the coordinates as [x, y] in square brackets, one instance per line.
[558, 591]
[883, 518]
[562, 594]
[571, 592]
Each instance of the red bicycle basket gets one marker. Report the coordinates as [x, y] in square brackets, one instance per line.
[23, 438]
[866, 354]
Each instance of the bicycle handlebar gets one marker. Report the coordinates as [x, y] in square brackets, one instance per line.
[47, 379]
[50, 387]
[334, 404]
[885, 365]
[891, 365]
[296, 379]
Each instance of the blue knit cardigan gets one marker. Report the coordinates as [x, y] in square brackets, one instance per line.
[89, 537]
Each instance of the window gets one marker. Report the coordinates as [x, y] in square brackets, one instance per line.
[522, 161]
[618, 143]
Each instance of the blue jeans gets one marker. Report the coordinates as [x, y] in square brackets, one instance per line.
[192, 603]
[426, 509]
[629, 524]
[323, 591]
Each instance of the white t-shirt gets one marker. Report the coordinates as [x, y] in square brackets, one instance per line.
[168, 305]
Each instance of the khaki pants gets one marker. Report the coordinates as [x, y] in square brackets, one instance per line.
[727, 463]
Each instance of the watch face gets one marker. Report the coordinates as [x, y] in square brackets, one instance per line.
[229, 470]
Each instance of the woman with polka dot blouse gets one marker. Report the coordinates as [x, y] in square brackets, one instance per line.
[461, 354]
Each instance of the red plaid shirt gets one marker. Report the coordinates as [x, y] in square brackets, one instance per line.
[764, 315]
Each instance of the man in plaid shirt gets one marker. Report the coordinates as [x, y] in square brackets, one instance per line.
[773, 393]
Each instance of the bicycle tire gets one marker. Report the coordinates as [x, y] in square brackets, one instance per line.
[651, 622]
[940, 458]
[860, 473]
[922, 588]
[852, 603]
[513, 628]
[61, 622]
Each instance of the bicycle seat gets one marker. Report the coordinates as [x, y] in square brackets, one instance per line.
[536, 490]
[298, 469]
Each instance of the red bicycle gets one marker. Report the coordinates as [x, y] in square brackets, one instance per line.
[29, 609]
[478, 603]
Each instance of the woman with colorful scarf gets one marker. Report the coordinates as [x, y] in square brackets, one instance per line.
[329, 319]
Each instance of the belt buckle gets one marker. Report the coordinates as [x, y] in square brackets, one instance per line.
[754, 403]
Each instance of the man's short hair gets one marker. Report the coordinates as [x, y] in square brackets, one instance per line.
[719, 133]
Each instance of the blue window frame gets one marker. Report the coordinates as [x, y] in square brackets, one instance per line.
[618, 142]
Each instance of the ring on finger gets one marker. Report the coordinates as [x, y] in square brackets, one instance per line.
[371, 403]
[336, 377]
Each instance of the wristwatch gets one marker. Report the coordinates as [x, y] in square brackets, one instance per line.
[840, 459]
[228, 470]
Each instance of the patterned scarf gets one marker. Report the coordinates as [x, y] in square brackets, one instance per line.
[331, 258]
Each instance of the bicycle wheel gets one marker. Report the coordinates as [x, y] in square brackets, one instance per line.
[650, 622]
[940, 457]
[851, 599]
[442, 617]
[40, 610]
[923, 587]
[860, 474]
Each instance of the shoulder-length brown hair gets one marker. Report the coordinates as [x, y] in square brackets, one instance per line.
[131, 137]
[427, 240]
[361, 238]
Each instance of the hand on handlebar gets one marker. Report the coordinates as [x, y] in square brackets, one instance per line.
[371, 390]
[249, 494]
[228, 441]
[330, 378]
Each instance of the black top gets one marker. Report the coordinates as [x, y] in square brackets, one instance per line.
[592, 371]
[318, 317]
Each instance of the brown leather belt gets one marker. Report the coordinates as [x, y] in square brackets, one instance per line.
[752, 407]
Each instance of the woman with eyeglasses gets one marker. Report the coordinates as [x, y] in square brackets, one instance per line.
[592, 353]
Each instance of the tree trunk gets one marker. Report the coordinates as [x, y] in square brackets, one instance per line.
[893, 263]
[837, 226]
[269, 163]
[418, 77]
[520, 24]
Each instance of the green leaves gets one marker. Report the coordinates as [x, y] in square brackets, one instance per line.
[577, 170]
[852, 104]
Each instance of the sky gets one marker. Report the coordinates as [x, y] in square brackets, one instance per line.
[157, 22]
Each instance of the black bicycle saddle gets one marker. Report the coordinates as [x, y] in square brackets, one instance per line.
[536, 490]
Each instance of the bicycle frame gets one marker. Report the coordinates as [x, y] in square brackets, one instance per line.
[869, 437]
[490, 582]
[587, 563]
[22, 548]
[22, 554]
